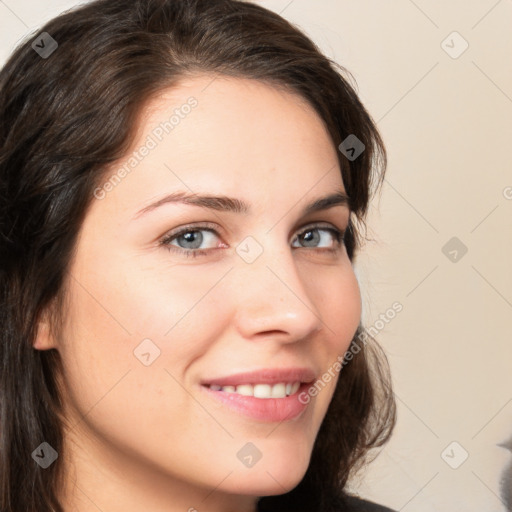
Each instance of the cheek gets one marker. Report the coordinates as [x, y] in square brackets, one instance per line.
[350, 298]
[123, 377]
[341, 309]
[338, 300]
[130, 331]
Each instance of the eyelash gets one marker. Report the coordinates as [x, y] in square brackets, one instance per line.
[339, 236]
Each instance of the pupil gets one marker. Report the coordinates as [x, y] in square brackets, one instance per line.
[193, 237]
[311, 236]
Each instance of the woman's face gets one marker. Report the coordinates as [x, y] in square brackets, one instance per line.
[165, 296]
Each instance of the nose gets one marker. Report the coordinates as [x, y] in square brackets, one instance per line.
[272, 299]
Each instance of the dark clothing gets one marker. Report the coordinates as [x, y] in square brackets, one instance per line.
[359, 505]
[350, 504]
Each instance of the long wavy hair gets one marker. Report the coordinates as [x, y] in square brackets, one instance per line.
[64, 119]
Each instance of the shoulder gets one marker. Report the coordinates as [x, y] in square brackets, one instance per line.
[359, 505]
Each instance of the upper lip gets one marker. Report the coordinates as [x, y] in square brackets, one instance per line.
[264, 376]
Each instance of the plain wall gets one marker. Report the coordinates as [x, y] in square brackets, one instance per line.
[446, 121]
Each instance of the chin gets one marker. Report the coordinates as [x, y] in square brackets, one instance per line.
[279, 474]
[265, 484]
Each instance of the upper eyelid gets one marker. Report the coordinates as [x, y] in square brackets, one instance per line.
[190, 227]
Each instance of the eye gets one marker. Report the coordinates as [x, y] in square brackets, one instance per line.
[320, 237]
[199, 240]
[192, 240]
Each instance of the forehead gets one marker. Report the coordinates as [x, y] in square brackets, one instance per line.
[245, 116]
[223, 134]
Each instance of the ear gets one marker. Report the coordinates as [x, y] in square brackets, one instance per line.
[44, 339]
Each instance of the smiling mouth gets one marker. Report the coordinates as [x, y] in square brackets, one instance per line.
[265, 402]
[264, 383]
[264, 391]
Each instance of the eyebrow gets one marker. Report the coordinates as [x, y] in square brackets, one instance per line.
[231, 204]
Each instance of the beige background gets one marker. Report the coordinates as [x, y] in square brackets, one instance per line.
[445, 119]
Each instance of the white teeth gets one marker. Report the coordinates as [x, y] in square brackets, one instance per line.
[244, 389]
[262, 391]
[279, 390]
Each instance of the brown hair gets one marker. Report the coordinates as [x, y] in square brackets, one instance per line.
[64, 119]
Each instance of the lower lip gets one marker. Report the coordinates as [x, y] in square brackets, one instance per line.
[263, 409]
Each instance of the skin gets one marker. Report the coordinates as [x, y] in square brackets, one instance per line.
[146, 437]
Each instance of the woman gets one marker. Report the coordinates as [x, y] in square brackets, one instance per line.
[183, 184]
